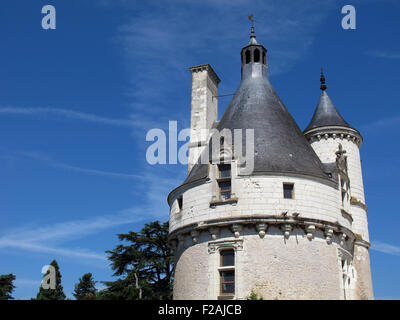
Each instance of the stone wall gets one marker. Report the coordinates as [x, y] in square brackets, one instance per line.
[272, 266]
[260, 196]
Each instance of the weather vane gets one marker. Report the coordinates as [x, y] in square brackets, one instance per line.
[251, 18]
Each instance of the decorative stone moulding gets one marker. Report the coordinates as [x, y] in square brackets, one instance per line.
[214, 232]
[345, 237]
[328, 235]
[236, 228]
[195, 235]
[261, 229]
[287, 228]
[342, 239]
[334, 133]
[310, 230]
[236, 244]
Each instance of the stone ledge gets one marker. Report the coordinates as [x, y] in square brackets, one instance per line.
[355, 202]
[215, 203]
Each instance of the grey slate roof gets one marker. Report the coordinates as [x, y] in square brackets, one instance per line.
[326, 114]
[280, 146]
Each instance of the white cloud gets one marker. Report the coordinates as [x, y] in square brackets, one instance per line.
[384, 54]
[71, 253]
[26, 282]
[38, 156]
[46, 239]
[385, 248]
[381, 124]
[70, 229]
[77, 115]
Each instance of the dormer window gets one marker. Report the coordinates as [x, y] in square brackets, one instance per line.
[224, 181]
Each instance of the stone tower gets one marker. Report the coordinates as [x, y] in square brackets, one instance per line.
[333, 138]
[293, 228]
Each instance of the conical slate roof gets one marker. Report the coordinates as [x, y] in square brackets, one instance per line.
[280, 146]
[326, 113]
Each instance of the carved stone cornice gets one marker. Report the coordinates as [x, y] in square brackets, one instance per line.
[340, 133]
[333, 232]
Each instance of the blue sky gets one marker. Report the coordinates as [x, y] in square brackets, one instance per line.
[76, 104]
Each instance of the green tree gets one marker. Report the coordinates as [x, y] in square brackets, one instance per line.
[52, 294]
[6, 286]
[144, 266]
[85, 289]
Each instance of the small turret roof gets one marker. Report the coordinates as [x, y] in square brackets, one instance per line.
[326, 113]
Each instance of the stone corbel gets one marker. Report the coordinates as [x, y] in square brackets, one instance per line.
[236, 228]
[328, 235]
[173, 244]
[286, 228]
[181, 239]
[343, 239]
[214, 232]
[310, 230]
[261, 229]
[195, 236]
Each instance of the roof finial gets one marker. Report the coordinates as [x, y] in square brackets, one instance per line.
[322, 79]
[252, 36]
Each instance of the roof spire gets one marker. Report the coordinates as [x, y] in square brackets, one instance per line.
[322, 79]
[252, 36]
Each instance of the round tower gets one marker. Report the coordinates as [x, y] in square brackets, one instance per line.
[280, 231]
[333, 139]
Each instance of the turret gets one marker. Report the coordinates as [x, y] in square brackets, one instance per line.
[254, 59]
[337, 143]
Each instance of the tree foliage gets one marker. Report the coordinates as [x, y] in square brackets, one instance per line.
[52, 294]
[85, 289]
[6, 286]
[144, 266]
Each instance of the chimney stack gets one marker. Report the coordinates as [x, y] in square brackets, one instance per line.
[204, 109]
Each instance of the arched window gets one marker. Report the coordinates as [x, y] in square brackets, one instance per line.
[256, 55]
[263, 57]
[247, 54]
